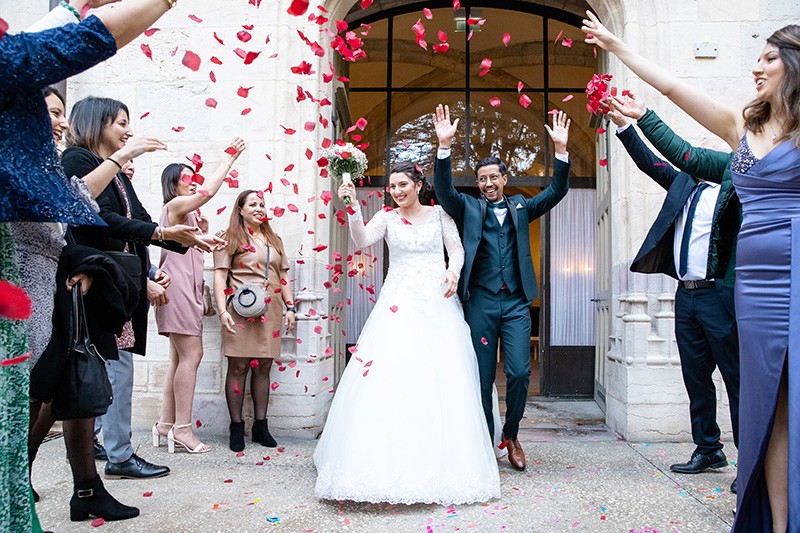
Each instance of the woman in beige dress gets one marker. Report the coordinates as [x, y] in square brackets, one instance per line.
[251, 342]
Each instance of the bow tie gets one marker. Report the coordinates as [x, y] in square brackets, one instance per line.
[499, 205]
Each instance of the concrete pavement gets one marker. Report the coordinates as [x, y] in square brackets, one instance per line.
[580, 477]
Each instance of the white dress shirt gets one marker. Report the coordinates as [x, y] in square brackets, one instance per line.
[701, 233]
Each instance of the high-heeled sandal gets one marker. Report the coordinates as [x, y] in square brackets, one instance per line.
[157, 434]
[171, 441]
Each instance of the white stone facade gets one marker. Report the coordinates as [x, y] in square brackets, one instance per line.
[645, 396]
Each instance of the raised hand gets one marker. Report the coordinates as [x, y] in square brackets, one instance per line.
[559, 132]
[633, 107]
[598, 34]
[136, 146]
[239, 145]
[616, 117]
[347, 190]
[445, 130]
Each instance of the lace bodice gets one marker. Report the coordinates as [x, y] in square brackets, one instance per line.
[416, 251]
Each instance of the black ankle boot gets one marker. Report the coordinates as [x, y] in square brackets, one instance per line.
[236, 442]
[261, 434]
[92, 498]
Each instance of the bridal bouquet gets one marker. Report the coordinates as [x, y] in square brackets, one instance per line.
[345, 162]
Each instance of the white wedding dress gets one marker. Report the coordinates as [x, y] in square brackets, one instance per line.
[406, 424]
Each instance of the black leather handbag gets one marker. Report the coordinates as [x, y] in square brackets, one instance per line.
[84, 391]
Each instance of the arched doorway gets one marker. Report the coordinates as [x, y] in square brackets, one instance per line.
[399, 83]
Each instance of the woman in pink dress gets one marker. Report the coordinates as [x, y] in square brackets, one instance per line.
[181, 319]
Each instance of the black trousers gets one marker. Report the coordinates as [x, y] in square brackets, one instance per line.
[705, 328]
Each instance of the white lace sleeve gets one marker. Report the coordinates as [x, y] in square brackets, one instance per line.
[452, 242]
[371, 233]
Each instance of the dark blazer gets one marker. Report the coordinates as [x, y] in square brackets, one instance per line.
[709, 165]
[469, 214]
[657, 252]
[137, 231]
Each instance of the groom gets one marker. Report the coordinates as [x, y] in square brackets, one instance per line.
[498, 280]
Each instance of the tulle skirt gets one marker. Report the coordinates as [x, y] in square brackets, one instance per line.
[406, 424]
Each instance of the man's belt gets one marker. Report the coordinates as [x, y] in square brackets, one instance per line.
[696, 284]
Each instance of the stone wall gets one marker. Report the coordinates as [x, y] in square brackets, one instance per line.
[646, 399]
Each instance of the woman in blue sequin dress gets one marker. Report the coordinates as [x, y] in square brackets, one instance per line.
[766, 173]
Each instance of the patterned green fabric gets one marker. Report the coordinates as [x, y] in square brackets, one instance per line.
[17, 513]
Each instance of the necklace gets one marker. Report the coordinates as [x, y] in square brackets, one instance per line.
[774, 133]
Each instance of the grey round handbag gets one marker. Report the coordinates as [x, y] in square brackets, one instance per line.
[250, 300]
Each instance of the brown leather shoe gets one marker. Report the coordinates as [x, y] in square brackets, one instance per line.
[515, 454]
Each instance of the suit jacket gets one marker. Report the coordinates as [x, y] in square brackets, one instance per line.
[136, 231]
[469, 214]
[657, 253]
[709, 165]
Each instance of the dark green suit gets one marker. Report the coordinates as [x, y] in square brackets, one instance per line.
[498, 282]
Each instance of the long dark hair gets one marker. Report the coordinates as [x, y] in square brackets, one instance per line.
[426, 193]
[169, 180]
[88, 118]
[47, 91]
[237, 234]
[757, 113]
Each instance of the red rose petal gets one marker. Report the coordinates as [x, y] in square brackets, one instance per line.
[210, 102]
[147, 494]
[298, 7]
[603, 162]
[244, 92]
[506, 38]
[14, 302]
[97, 522]
[495, 102]
[525, 101]
[16, 360]
[567, 98]
[428, 13]
[484, 341]
[195, 18]
[191, 60]
[393, 309]
[147, 51]
[150, 32]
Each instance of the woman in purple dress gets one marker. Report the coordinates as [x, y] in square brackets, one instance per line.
[181, 318]
[766, 173]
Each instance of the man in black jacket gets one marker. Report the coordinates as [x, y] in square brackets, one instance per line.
[680, 245]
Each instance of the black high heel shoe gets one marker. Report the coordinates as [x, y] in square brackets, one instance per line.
[261, 434]
[236, 441]
[92, 499]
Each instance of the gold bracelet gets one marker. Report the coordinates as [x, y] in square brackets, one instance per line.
[171, 3]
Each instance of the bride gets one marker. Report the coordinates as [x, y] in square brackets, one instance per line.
[406, 424]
